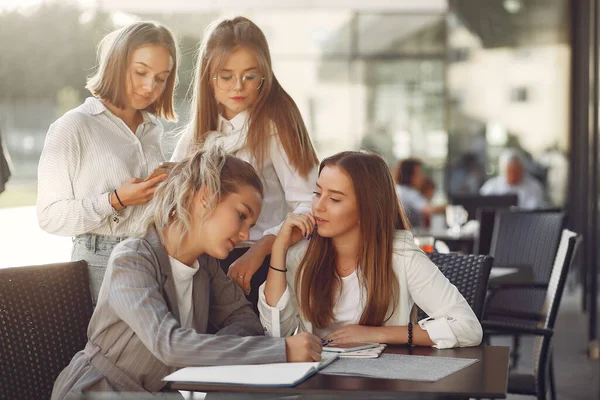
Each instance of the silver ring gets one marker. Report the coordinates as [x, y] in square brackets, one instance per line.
[240, 276]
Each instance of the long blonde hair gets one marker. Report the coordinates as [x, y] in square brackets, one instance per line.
[380, 215]
[211, 170]
[274, 108]
[114, 56]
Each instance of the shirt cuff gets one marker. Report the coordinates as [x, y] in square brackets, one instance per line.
[272, 316]
[105, 205]
[440, 332]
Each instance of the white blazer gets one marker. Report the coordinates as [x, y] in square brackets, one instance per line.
[285, 190]
[452, 322]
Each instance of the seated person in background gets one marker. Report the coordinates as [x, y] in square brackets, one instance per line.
[162, 289]
[513, 179]
[409, 181]
[351, 270]
[428, 191]
[428, 188]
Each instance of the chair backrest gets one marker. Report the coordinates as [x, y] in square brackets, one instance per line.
[44, 314]
[562, 262]
[525, 238]
[483, 242]
[471, 202]
[469, 273]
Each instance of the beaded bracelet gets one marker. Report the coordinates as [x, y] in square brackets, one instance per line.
[410, 336]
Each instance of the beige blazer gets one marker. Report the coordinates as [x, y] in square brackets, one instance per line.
[135, 338]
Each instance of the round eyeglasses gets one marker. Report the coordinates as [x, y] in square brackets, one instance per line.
[227, 81]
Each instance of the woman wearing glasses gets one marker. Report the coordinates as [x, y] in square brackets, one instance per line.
[237, 94]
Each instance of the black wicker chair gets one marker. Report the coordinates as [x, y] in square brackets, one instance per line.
[542, 378]
[469, 273]
[44, 315]
[524, 239]
[483, 242]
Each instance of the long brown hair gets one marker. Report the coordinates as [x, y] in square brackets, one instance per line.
[274, 108]
[114, 55]
[380, 215]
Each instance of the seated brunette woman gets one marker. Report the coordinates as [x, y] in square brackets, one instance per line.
[352, 271]
[162, 289]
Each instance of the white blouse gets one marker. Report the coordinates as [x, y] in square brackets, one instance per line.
[285, 190]
[347, 308]
[452, 322]
[88, 153]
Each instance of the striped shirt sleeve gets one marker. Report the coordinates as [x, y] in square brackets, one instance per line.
[59, 212]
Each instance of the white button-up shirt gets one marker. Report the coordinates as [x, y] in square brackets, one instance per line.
[88, 153]
[451, 321]
[284, 189]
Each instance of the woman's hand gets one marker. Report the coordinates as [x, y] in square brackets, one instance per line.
[135, 192]
[303, 347]
[354, 333]
[242, 269]
[295, 228]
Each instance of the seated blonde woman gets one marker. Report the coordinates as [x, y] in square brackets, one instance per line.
[161, 290]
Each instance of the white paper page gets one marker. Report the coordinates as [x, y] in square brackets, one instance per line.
[258, 374]
[261, 374]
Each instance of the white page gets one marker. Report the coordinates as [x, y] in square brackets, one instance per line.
[258, 374]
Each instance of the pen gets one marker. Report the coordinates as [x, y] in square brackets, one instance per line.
[300, 324]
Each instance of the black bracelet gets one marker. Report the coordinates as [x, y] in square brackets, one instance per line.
[119, 200]
[277, 269]
[410, 336]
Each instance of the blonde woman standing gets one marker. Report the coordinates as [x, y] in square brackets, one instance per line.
[91, 171]
[237, 94]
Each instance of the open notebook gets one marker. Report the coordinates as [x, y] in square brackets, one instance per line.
[277, 374]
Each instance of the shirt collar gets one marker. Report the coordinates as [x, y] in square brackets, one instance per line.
[94, 106]
[234, 124]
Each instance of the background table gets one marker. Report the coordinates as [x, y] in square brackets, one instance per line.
[462, 241]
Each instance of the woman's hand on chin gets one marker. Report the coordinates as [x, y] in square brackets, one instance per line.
[295, 228]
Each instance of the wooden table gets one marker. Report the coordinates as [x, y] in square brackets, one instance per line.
[485, 379]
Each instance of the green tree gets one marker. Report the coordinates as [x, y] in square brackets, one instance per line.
[48, 49]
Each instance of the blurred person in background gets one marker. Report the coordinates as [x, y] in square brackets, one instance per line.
[514, 179]
[467, 176]
[428, 191]
[409, 183]
[428, 188]
[95, 158]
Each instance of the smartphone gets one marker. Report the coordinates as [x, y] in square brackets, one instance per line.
[162, 168]
[347, 347]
